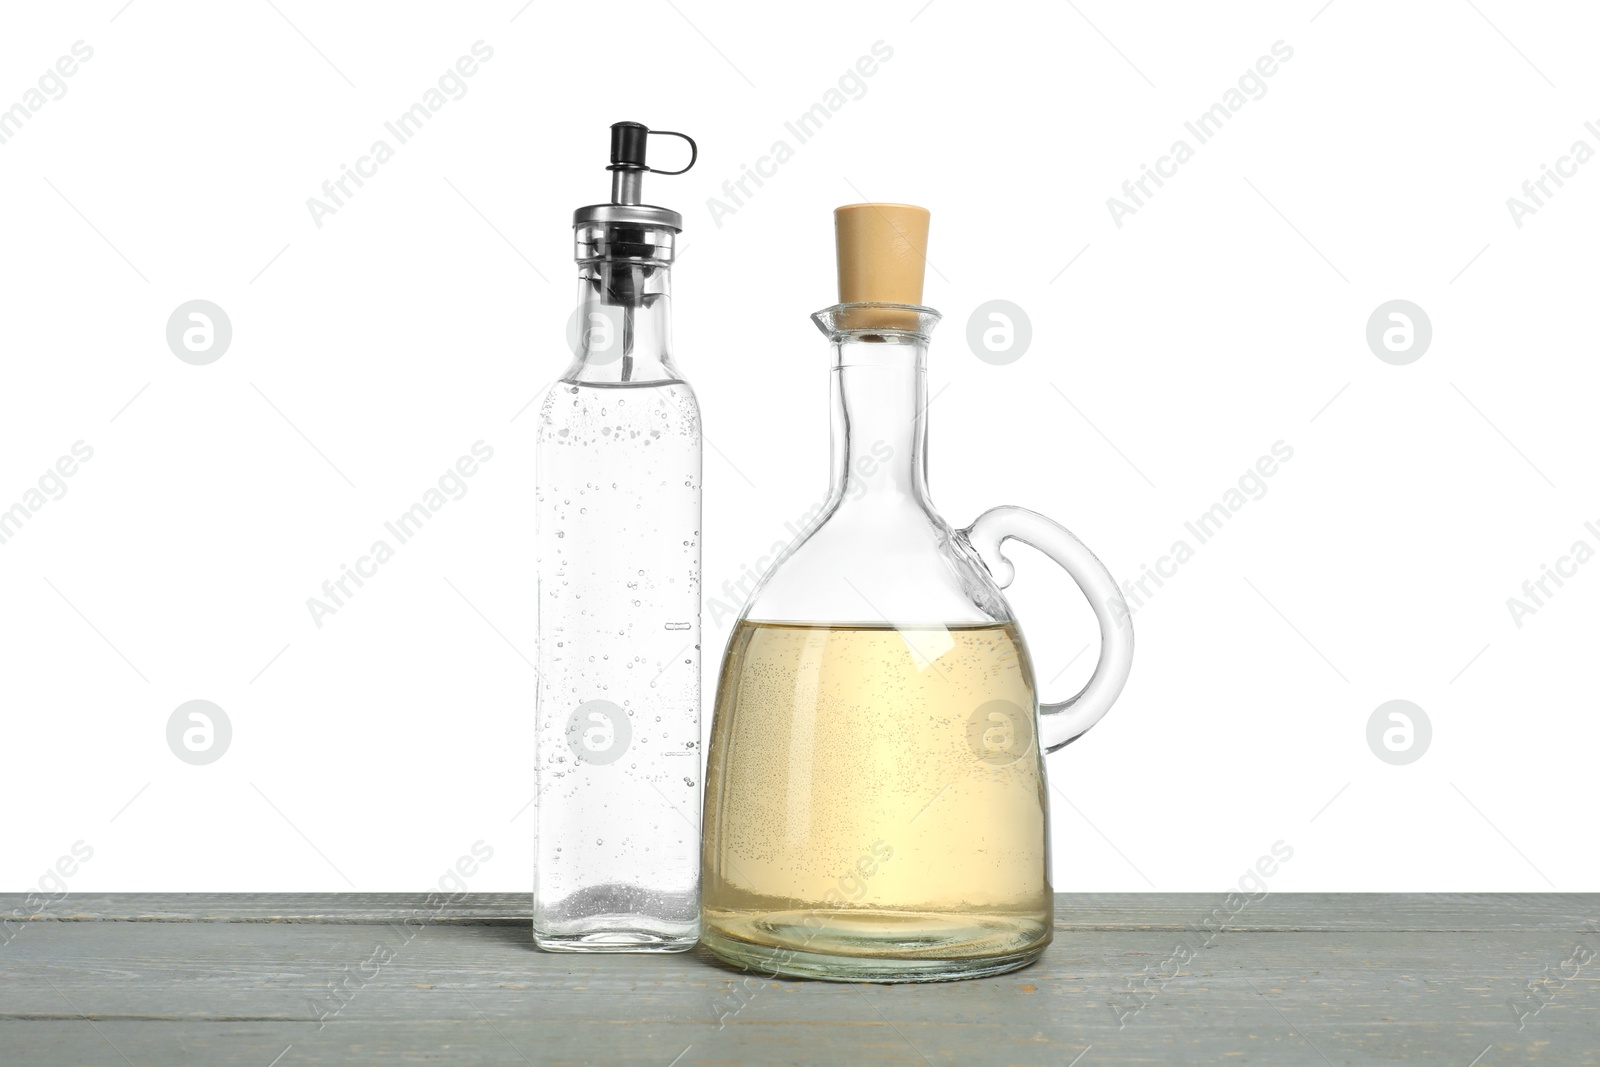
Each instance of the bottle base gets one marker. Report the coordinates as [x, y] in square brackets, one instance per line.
[905, 948]
[617, 934]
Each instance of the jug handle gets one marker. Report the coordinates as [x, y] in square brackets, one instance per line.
[1060, 724]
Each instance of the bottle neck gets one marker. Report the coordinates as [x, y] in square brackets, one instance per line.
[880, 436]
[621, 332]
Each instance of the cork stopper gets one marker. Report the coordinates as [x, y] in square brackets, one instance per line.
[883, 252]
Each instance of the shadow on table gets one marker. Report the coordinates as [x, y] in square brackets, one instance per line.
[519, 934]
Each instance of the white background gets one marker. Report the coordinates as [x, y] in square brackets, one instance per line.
[1227, 314]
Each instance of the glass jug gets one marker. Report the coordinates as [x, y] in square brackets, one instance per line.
[876, 805]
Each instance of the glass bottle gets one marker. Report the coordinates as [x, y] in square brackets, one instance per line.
[618, 536]
[876, 803]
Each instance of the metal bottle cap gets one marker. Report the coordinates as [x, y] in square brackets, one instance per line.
[628, 147]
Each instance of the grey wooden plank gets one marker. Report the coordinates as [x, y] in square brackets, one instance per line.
[477, 992]
[1074, 911]
[866, 1041]
[281, 972]
[332, 908]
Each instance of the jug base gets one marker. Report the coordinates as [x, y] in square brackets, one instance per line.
[900, 961]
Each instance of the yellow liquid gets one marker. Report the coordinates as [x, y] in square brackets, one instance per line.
[875, 803]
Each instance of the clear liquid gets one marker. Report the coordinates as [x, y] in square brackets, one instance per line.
[618, 715]
[876, 803]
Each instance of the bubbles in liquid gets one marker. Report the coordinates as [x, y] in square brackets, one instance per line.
[634, 506]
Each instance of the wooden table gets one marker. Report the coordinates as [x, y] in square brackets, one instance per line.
[1460, 980]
